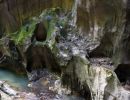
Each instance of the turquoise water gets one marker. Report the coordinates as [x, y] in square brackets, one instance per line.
[19, 82]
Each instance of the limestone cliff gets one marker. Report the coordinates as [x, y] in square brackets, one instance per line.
[14, 13]
[69, 41]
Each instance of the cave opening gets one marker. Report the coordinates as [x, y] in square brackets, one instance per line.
[123, 73]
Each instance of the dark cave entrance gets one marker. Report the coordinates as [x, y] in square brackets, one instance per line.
[123, 73]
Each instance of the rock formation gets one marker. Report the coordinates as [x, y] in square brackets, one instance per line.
[15, 13]
[84, 41]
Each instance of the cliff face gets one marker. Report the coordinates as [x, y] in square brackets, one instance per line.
[106, 22]
[94, 16]
[14, 13]
[56, 42]
[100, 20]
[123, 49]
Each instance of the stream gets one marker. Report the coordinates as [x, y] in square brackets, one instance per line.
[16, 81]
[21, 83]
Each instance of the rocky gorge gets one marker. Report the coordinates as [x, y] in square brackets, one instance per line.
[66, 49]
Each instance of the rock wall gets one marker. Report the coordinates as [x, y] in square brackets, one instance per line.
[106, 22]
[14, 13]
[98, 16]
[103, 21]
[122, 50]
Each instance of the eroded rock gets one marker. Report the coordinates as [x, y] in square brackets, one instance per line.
[41, 57]
[11, 57]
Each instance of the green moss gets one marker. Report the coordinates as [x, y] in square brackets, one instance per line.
[50, 19]
[51, 28]
[25, 32]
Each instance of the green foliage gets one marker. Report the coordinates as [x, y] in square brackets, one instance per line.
[25, 32]
[50, 18]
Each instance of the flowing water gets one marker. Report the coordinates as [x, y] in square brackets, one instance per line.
[19, 82]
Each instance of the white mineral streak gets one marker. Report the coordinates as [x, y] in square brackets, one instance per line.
[74, 12]
[99, 83]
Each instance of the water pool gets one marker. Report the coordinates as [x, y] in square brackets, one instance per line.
[17, 81]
